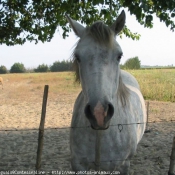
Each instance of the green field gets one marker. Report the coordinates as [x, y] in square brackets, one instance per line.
[156, 84]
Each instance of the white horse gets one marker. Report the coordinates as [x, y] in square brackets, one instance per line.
[104, 132]
[1, 81]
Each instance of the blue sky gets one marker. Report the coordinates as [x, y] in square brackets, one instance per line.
[155, 47]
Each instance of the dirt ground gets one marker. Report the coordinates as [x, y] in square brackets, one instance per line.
[18, 148]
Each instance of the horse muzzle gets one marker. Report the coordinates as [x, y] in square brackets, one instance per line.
[99, 114]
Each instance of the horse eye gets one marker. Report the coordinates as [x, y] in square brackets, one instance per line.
[119, 57]
[77, 58]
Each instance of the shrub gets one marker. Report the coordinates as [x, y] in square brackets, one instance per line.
[17, 68]
[3, 69]
[42, 68]
[132, 63]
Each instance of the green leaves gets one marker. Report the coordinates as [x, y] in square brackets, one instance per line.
[144, 10]
[37, 20]
[129, 34]
[148, 21]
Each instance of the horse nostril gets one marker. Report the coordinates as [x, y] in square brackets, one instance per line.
[88, 111]
[110, 111]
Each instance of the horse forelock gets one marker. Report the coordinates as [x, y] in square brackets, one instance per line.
[101, 33]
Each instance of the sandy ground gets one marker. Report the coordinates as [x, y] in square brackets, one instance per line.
[18, 148]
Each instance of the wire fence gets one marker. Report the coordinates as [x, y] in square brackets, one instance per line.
[26, 163]
[71, 127]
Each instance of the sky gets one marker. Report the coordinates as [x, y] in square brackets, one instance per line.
[155, 47]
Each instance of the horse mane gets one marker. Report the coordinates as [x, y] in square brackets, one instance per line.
[123, 92]
[103, 35]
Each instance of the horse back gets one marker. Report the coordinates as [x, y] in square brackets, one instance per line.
[129, 79]
[137, 101]
[1, 81]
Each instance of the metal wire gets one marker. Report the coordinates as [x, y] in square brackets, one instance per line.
[68, 127]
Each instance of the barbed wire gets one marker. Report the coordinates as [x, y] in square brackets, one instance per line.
[71, 127]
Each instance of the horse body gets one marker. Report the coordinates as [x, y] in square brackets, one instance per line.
[1, 82]
[119, 142]
[110, 102]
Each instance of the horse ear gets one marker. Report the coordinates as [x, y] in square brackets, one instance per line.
[118, 25]
[77, 28]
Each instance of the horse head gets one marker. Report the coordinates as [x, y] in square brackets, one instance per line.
[97, 57]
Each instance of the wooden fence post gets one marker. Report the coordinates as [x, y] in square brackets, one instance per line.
[172, 160]
[41, 129]
[147, 113]
[97, 150]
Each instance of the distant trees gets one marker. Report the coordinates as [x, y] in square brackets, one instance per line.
[42, 68]
[132, 63]
[3, 69]
[57, 66]
[61, 66]
[17, 68]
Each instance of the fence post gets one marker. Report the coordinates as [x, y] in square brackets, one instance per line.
[41, 129]
[97, 150]
[147, 113]
[172, 160]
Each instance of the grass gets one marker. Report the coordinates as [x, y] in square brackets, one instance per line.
[156, 84]
[30, 86]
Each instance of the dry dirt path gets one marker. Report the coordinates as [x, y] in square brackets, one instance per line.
[18, 148]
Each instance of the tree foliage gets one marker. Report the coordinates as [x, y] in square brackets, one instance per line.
[132, 63]
[17, 68]
[61, 66]
[3, 69]
[42, 68]
[38, 20]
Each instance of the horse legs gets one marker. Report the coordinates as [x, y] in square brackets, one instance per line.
[124, 168]
[83, 166]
